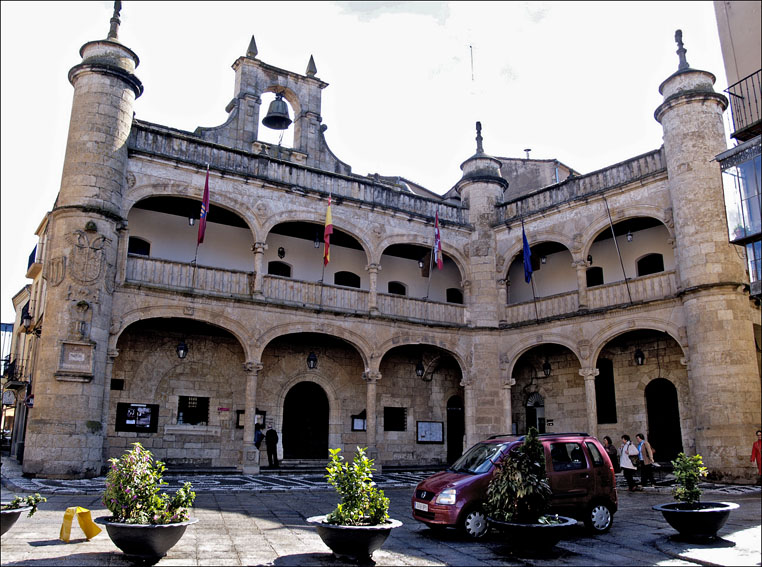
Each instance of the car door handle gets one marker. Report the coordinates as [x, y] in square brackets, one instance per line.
[584, 475]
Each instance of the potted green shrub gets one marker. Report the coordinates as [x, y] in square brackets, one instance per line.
[360, 524]
[144, 521]
[689, 515]
[11, 511]
[518, 497]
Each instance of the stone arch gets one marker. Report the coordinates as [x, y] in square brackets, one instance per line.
[385, 347]
[317, 217]
[291, 97]
[528, 343]
[208, 316]
[607, 334]
[357, 341]
[600, 223]
[183, 190]
[538, 237]
[453, 253]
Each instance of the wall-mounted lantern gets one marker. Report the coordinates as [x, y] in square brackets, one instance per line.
[182, 350]
[312, 361]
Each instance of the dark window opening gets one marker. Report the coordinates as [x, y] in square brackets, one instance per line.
[117, 384]
[595, 454]
[605, 395]
[567, 456]
[395, 419]
[650, 264]
[192, 410]
[454, 295]
[594, 276]
[347, 279]
[397, 288]
[279, 269]
[138, 246]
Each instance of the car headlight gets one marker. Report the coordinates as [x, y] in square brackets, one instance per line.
[446, 496]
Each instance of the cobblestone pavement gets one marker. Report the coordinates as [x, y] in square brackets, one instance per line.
[265, 525]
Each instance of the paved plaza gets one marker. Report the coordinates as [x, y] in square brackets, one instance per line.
[260, 520]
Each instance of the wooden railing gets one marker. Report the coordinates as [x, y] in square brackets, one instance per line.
[181, 276]
[155, 140]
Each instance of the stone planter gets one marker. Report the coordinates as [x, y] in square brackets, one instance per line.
[144, 540]
[354, 542]
[9, 517]
[534, 536]
[704, 521]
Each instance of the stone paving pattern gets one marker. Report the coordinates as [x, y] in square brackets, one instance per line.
[246, 520]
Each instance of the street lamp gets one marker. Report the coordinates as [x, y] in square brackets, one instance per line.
[312, 361]
[181, 349]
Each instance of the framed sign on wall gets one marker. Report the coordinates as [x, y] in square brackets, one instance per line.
[430, 431]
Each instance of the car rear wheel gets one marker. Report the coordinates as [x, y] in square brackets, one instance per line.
[599, 518]
[474, 523]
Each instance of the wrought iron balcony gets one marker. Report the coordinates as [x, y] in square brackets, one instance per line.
[745, 106]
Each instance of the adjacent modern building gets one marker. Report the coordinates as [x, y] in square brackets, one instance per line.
[609, 302]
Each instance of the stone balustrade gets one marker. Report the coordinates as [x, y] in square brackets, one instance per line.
[154, 140]
[582, 186]
[551, 306]
[315, 295]
[646, 288]
[421, 310]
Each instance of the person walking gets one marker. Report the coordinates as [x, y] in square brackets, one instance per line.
[626, 451]
[756, 455]
[613, 454]
[271, 440]
[646, 460]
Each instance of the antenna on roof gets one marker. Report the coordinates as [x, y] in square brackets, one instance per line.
[527, 150]
[471, 48]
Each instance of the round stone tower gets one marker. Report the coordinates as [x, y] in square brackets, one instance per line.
[724, 381]
[66, 426]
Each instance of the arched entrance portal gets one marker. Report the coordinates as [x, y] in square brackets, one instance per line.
[536, 412]
[455, 428]
[664, 432]
[305, 422]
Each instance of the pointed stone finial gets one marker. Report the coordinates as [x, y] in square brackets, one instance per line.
[252, 50]
[311, 68]
[681, 51]
[479, 148]
[113, 32]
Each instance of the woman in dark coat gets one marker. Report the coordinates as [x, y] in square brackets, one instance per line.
[612, 452]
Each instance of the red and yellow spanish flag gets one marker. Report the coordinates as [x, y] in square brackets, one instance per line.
[327, 234]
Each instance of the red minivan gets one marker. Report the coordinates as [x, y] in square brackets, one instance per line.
[580, 474]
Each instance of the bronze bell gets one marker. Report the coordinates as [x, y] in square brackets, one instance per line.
[277, 115]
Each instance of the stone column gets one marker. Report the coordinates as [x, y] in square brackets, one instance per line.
[469, 411]
[507, 404]
[259, 252]
[250, 453]
[589, 375]
[502, 300]
[371, 378]
[581, 267]
[373, 270]
[723, 374]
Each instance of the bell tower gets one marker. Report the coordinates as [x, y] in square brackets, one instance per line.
[724, 380]
[66, 427]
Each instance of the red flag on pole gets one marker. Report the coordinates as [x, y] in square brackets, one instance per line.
[204, 209]
[437, 242]
[327, 234]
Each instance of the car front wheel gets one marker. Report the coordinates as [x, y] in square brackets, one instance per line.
[599, 518]
[474, 523]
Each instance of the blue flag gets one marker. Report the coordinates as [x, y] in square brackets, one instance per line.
[527, 257]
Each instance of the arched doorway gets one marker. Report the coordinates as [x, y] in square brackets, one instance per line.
[536, 412]
[305, 422]
[455, 429]
[664, 432]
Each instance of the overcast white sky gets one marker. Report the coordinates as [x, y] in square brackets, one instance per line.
[575, 81]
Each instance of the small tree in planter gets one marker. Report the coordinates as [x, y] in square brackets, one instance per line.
[689, 516]
[360, 523]
[518, 497]
[11, 511]
[133, 497]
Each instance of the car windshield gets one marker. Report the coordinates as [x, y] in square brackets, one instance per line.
[479, 458]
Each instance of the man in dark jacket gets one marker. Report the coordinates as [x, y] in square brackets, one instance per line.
[271, 440]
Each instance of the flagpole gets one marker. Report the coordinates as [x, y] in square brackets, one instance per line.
[201, 225]
[322, 274]
[616, 244]
[531, 280]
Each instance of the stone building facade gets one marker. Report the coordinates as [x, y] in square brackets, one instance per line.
[637, 317]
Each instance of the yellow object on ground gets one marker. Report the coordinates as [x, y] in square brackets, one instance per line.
[85, 522]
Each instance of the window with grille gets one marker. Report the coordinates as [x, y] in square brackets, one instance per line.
[193, 410]
[395, 419]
